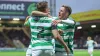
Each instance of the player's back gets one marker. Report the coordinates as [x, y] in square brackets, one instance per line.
[39, 29]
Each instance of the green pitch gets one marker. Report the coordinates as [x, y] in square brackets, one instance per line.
[12, 53]
[76, 53]
[85, 53]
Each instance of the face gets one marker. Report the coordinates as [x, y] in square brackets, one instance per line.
[89, 38]
[63, 13]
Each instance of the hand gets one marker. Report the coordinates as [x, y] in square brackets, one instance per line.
[55, 22]
[60, 31]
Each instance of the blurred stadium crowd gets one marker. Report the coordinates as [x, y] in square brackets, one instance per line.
[14, 38]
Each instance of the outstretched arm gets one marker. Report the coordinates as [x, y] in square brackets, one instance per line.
[95, 43]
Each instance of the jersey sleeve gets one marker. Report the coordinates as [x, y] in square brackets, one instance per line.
[69, 21]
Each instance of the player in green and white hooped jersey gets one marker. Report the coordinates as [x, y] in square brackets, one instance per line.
[66, 31]
[38, 28]
[90, 45]
[36, 44]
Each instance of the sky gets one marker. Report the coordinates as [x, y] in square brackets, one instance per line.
[76, 5]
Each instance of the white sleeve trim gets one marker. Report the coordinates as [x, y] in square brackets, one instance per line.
[68, 21]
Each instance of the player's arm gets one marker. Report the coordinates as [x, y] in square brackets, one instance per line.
[69, 22]
[86, 45]
[38, 13]
[95, 43]
[26, 23]
[59, 38]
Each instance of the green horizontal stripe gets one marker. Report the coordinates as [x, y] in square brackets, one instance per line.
[46, 28]
[66, 40]
[42, 34]
[46, 34]
[34, 38]
[69, 33]
[59, 46]
[34, 33]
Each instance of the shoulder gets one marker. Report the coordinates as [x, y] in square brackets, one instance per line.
[92, 40]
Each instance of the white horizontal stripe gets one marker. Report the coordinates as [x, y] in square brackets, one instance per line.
[34, 36]
[47, 31]
[37, 41]
[65, 37]
[60, 24]
[42, 47]
[72, 30]
[69, 30]
[41, 24]
[35, 30]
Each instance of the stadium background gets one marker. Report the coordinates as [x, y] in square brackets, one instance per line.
[14, 37]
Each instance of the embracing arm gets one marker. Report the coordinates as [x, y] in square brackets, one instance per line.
[68, 21]
[38, 13]
[71, 22]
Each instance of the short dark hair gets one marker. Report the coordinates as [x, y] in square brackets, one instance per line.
[41, 6]
[68, 9]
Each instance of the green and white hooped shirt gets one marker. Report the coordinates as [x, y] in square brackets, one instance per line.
[40, 32]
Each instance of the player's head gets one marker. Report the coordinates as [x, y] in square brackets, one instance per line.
[64, 12]
[89, 38]
[43, 7]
